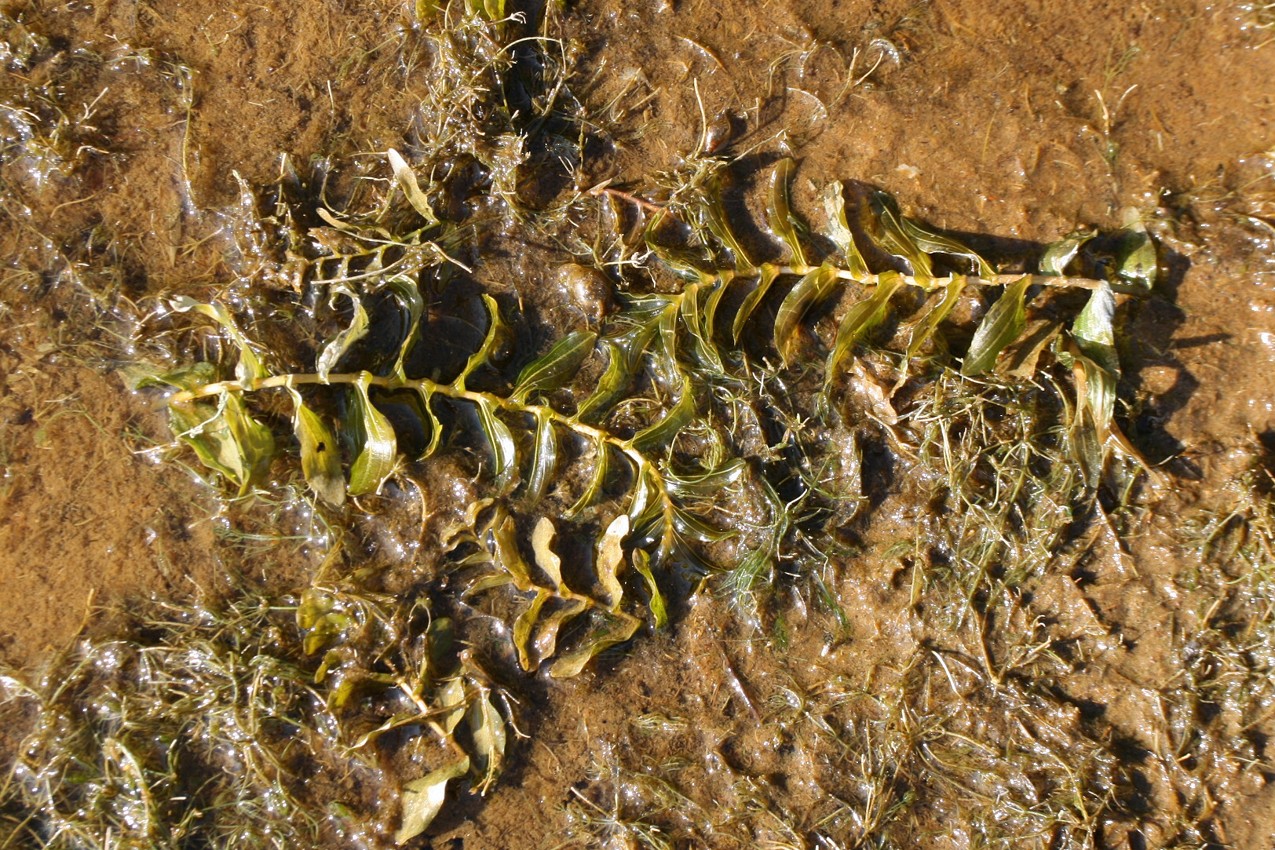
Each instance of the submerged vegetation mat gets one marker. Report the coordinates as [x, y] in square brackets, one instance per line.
[837, 468]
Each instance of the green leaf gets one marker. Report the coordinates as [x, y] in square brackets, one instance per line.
[426, 391]
[706, 485]
[646, 507]
[1000, 327]
[767, 275]
[410, 294]
[249, 367]
[719, 225]
[378, 448]
[1060, 254]
[695, 528]
[624, 353]
[487, 729]
[320, 457]
[544, 456]
[617, 628]
[610, 560]
[642, 563]
[933, 317]
[320, 621]
[340, 344]
[932, 242]
[662, 432]
[406, 181]
[783, 220]
[809, 291]
[601, 469]
[698, 322]
[504, 451]
[556, 367]
[496, 331]
[226, 439]
[423, 798]
[895, 238]
[834, 204]
[860, 319]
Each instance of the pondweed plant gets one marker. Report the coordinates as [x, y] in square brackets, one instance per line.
[648, 456]
[668, 439]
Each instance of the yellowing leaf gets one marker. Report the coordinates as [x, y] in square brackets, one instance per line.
[541, 540]
[616, 628]
[340, 344]
[610, 559]
[379, 448]
[320, 458]
[406, 180]
[423, 799]
[487, 728]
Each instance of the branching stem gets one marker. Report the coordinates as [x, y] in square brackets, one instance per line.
[428, 388]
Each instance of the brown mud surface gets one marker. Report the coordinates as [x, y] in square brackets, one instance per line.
[1127, 684]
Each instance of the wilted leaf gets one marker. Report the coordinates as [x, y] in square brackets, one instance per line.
[1022, 358]
[642, 563]
[378, 449]
[783, 221]
[617, 628]
[834, 204]
[611, 559]
[406, 179]
[487, 728]
[522, 629]
[1136, 258]
[320, 457]
[1002, 325]
[556, 367]
[320, 621]
[541, 545]
[504, 451]
[226, 439]
[505, 539]
[809, 291]
[861, 319]
[423, 799]
[249, 367]
[544, 456]
[453, 699]
[551, 624]
[340, 344]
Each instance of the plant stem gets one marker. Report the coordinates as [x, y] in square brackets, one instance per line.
[428, 388]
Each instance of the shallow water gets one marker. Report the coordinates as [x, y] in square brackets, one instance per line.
[126, 126]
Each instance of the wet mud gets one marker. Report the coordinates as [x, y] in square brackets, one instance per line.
[1109, 686]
